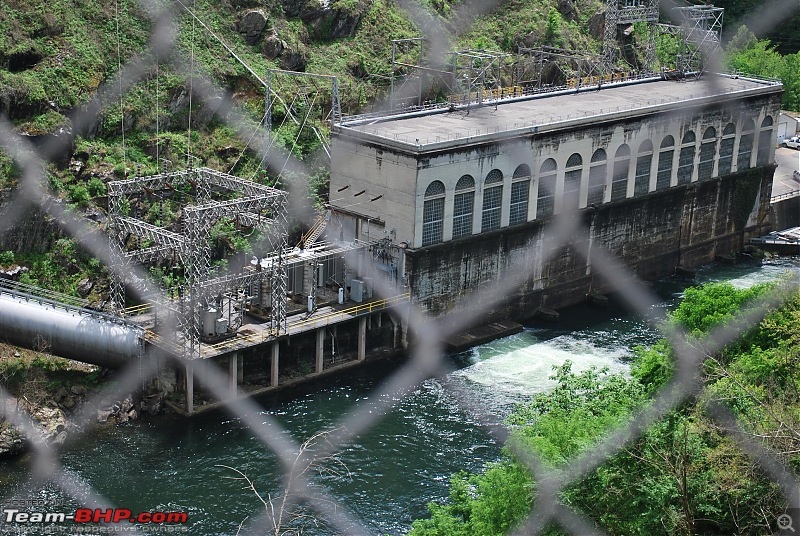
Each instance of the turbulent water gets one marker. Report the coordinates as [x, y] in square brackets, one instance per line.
[443, 426]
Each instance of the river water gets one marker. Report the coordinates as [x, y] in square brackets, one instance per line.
[173, 464]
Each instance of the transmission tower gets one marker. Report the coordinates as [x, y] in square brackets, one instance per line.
[621, 15]
[199, 309]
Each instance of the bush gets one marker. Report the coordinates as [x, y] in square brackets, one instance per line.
[6, 258]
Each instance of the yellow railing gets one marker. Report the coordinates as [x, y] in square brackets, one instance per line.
[136, 310]
[157, 340]
[321, 320]
[364, 308]
[239, 340]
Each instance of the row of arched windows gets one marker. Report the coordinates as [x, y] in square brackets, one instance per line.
[691, 165]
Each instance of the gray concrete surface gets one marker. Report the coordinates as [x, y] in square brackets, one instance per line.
[788, 161]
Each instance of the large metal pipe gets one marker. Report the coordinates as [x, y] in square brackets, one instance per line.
[67, 331]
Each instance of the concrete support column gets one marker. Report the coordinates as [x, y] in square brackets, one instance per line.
[274, 364]
[189, 388]
[395, 330]
[320, 349]
[240, 369]
[233, 373]
[362, 338]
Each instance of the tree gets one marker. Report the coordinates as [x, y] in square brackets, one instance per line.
[285, 517]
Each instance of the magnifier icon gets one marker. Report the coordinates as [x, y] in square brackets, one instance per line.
[785, 522]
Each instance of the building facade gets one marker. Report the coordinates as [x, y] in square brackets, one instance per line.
[652, 158]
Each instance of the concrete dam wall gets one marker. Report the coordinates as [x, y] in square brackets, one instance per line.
[685, 226]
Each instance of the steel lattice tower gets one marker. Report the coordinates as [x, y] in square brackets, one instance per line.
[621, 15]
[238, 200]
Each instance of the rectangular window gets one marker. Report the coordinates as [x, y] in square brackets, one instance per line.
[462, 214]
[725, 156]
[518, 212]
[492, 198]
[619, 182]
[597, 183]
[544, 204]
[745, 152]
[664, 176]
[764, 142]
[685, 165]
[572, 189]
[432, 219]
[706, 167]
[641, 184]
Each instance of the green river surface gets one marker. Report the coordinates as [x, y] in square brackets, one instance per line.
[171, 464]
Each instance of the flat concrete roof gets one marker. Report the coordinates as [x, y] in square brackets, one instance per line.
[441, 130]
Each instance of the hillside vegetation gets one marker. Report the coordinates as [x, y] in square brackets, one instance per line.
[56, 55]
[689, 472]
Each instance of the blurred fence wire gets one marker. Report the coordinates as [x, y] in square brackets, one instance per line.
[426, 358]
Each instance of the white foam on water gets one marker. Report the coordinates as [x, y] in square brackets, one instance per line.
[513, 369]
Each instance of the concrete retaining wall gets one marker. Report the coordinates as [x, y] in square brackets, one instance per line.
[684, 226]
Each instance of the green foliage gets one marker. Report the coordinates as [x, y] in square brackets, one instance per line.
[79, 194]
[653, 367]
[554, 21]
[747, 55]
[481, 505]
[684, 475]
[713, 304]
[6, 258]
[561, 424]
[96, 187]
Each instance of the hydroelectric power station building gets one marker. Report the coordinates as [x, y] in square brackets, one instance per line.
[665, 174]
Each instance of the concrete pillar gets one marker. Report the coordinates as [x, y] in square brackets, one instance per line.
[378, 319]
[274, 364]
[189, 388]
[240, 370]
[233, 373]
[395, 330]
[320, 349]
[362, 338]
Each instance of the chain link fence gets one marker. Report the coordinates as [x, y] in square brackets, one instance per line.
[426, 359]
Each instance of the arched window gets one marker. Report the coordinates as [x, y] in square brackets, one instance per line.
[619, 180]
[708, 151]
[764, 142]
[463, 204]
[641, 183]
[492, 200]
[726, 150]
[520, 191]
[433, 214]
[572, 182]
[665, 155]
[597, 177]
[686, 158]
[745, 146]
[547, 188]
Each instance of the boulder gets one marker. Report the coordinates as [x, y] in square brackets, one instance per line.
[567, 10]
[84, 287]
[79, 390]
[251, 25]
[126, 405]
[68, 402]
[152, 404]
[60, 438]
[11, 442]
[272, 46]
[597, 24]
[103, 415]
[293, 61]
